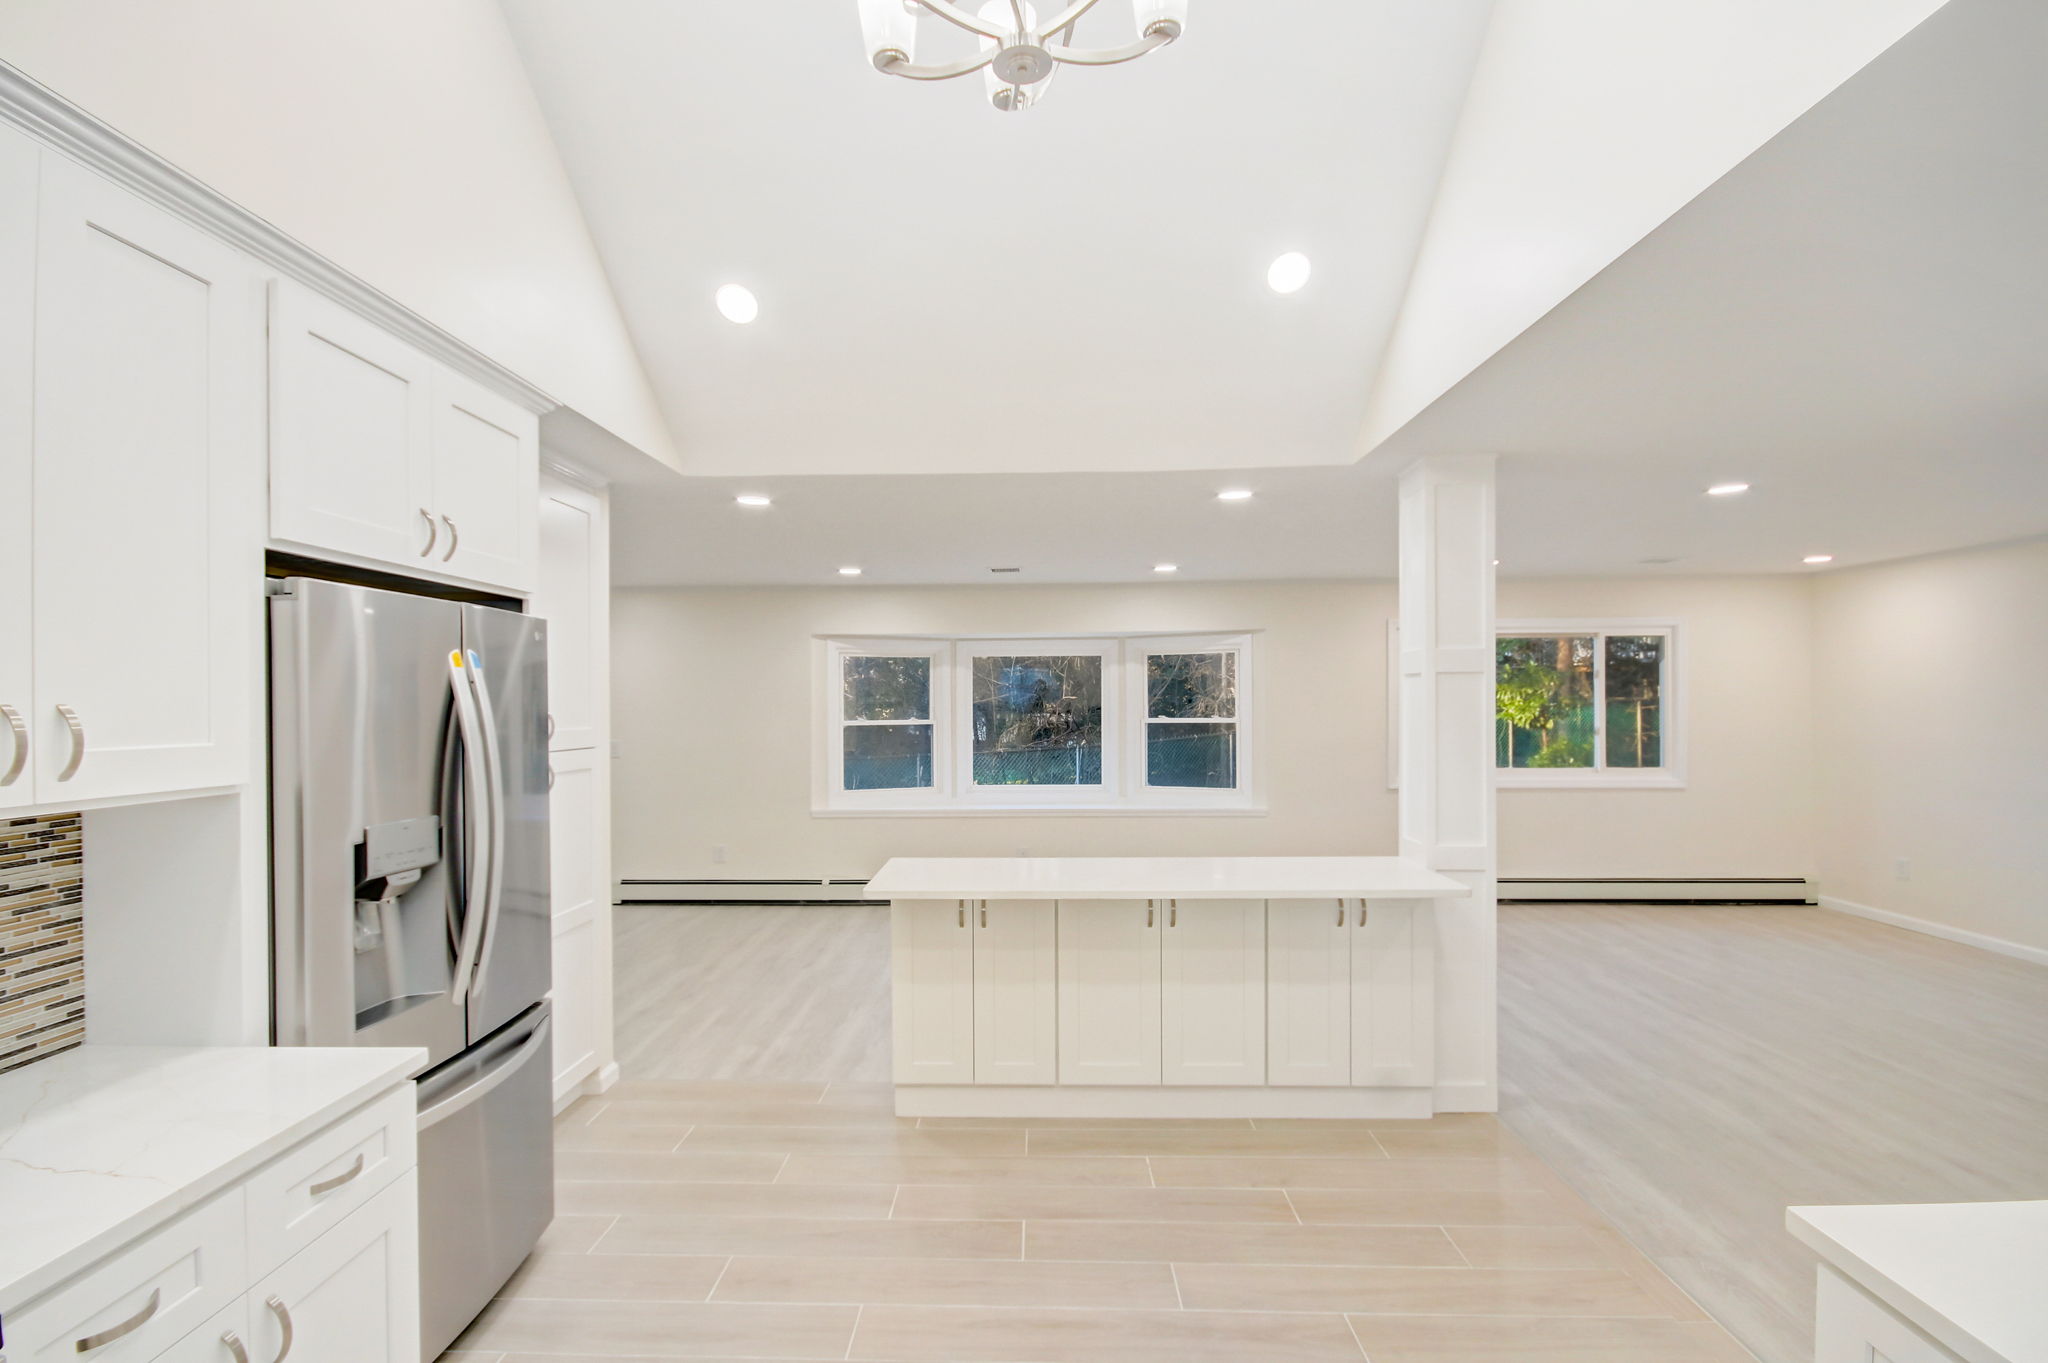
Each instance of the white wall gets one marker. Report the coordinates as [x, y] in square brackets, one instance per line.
[1933, 740]
[712, 688]
[1588, 122]
[400, 139]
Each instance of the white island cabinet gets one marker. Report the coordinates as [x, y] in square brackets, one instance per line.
[1175, 986]
[176, 1205]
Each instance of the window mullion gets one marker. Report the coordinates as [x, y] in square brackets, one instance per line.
[1599, 701]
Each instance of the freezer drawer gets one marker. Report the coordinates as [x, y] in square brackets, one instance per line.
[487, 1172]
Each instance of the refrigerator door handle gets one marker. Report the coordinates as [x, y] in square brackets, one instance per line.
[496, 1072]
[494, 756]
[479, 800]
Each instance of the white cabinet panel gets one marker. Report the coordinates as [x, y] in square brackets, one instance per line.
[580, 970]
[571, 597]
[1213, 992]
[209, 1343]
[351, 1296]
[486, 482]
[1851, 1326]
[148, 446]
[350, 422]
[1016, 1024]
[573, 833]
[1308, 1005]
[18, 164]
[1109, 991]
[1393, 994]
[932, 961]
[303, 1194]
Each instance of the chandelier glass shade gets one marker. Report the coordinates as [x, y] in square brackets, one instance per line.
[1017, 55]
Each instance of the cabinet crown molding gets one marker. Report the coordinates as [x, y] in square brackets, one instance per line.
[63, 126]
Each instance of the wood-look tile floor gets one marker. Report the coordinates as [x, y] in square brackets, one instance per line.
[731, 1220]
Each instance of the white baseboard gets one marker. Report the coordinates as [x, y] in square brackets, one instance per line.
[2036, 955]
[602, 1080]
[1471, 1096]
[1116, 1102]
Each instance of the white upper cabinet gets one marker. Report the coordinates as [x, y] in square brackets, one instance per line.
[147, 455]
[571, 597]
[383, 455]
[351, 412]
[18, 158]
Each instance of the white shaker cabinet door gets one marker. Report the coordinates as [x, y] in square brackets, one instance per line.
[352, 1296]
[351, 410]
[932, 963]
[579, 967]
[571, 597]
[148, 486]
[1308, 1005]
[1016, 974]
[486, 483]
[1109, 991]
[18, 163]
[1393, 994]
[1213, 992]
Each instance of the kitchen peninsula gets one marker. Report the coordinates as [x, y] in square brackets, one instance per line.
[1164, 986]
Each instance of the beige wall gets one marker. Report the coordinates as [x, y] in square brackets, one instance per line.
[713, 690]
[1933, 742]
[399, 139]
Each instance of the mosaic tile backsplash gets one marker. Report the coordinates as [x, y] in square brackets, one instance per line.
[42, 937]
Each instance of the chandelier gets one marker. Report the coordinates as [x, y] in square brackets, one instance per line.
[1018, 56]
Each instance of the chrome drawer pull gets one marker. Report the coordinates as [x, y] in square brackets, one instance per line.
[126, 1327]
[19, 729]
[328, 1185]
[77, 742]
[233, 1343]
[284, 1321]
[433, 532]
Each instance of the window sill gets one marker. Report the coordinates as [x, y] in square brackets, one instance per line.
[1592, 780]
[981, 811]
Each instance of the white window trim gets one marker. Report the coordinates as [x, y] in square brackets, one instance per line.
[1124, 791]
[1670, 776]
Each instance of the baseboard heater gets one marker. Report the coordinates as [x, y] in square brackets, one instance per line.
[783, 893]
[1657, 890]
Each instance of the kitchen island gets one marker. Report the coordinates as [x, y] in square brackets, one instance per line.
[1163, 986]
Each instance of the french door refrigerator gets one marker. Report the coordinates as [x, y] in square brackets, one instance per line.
[410, 905]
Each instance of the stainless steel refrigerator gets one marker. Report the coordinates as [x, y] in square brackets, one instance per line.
[410, 904]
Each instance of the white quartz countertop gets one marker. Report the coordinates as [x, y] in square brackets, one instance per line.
[100, 1144]
[1970, 1274]
[1159, 878]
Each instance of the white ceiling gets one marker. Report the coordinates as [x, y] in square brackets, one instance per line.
[945, 289]
[1855, 321]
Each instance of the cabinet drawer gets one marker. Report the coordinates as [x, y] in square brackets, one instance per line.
[145, 1298]
[297, 1197]
[209, 1343]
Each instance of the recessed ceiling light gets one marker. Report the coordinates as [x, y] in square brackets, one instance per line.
[1006, 570]
[1727, 489]
[1234, 494]
[1166, 567]
[1818, 558]
[738, 304]
[754, 499]
[849, 572]
[1288, 273]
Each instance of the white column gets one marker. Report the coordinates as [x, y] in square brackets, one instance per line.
[1446, 708]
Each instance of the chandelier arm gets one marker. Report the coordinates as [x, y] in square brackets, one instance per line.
[1066, 20]
[960, 18]
[1075, 56]
[966, 66]
[1017, 9]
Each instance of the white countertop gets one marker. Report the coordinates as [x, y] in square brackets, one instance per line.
[100, 1144]
[1971, 1274]
[1159, 878]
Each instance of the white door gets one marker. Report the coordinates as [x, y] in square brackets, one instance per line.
[486, 483]
[1308, 983]
[932, 962]
[582, 966]
[1109, 991]
[1212, 994]
[1016, 984]
[1393, 994]
[148, 485]
[352, 1296]
[351, 410]
[570, 596]
[18, 163]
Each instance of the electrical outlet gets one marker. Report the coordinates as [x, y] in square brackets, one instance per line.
[718, 854]
[1902, 869]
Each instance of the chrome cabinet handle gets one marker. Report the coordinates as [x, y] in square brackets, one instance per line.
[433, 532]
[551, 728]
[454, 537]
[1340, 913]
[284, 1321]
[125, 1328]
[19, 729]
[233, 1343]
[1361, 913]
[984, 913]
[551, 776]
[1149, 909]
[77, 742]
[328, 1185]
[963, 913]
